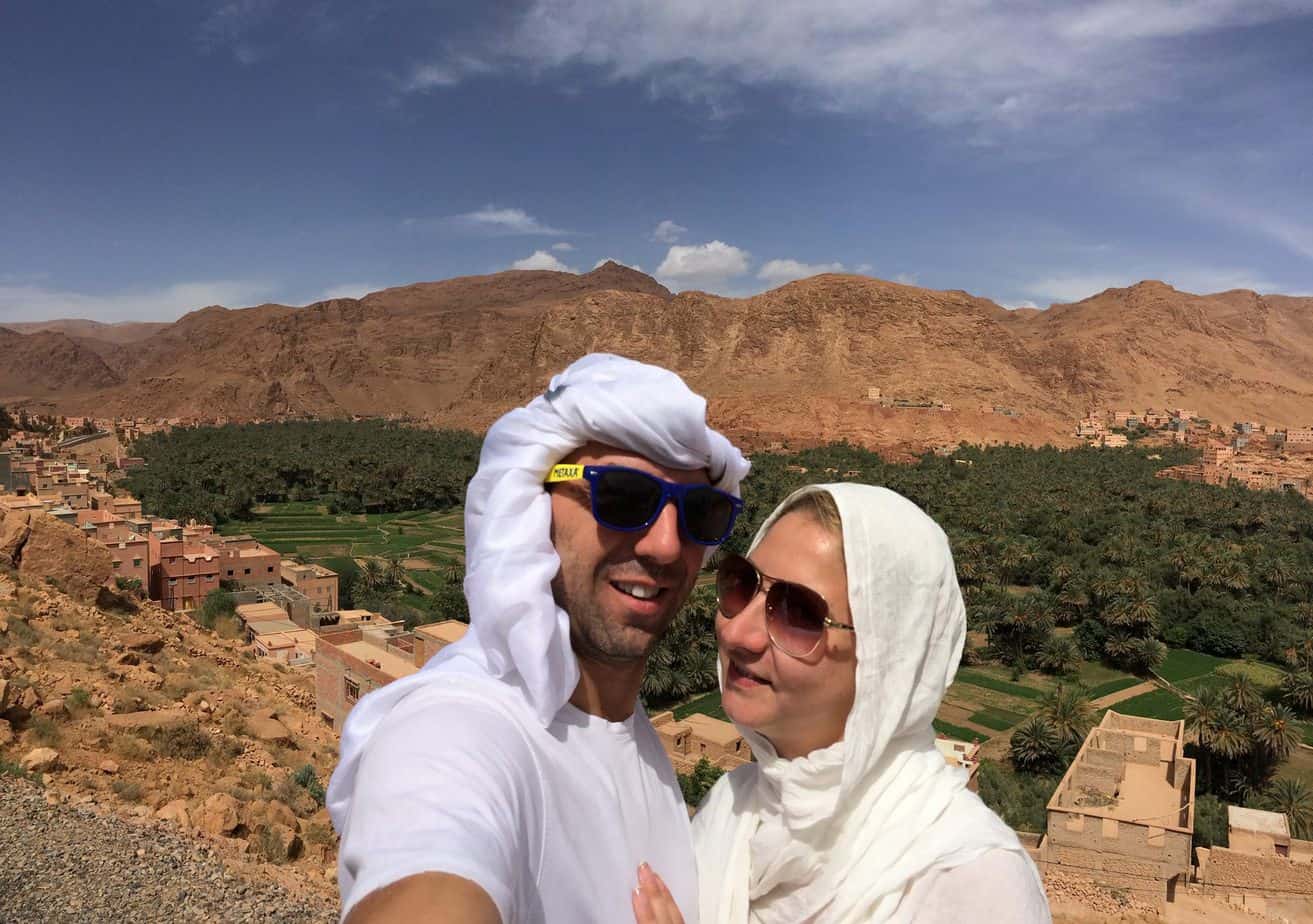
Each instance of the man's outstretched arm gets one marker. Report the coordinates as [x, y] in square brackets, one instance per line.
[432, 898]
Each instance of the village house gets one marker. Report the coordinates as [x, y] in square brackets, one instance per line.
[1262, 869]
[318, 583]
[964, 754]
[353, 658]
[696, 736]
[1123, 814]
[1114, 440]
[182, 573]
[245, 561]
[129, 553]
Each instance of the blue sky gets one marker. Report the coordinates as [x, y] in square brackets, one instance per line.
[161, 155]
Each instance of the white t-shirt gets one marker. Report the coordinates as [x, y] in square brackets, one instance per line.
[551, 822]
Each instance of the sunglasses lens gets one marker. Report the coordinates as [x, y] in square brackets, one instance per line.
[736, 583]
[625, 499]
[708, 515]
[797, 617]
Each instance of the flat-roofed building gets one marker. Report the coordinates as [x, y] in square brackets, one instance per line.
[1114, 440]
[352, 660]
[182, 573]
[252, 616]
[1123, 814]
[699, 736]
[245, 561]
[432, 637]
[1262, 869]
[129, 553]
[318, 583]
[964, 754]
[294, 647]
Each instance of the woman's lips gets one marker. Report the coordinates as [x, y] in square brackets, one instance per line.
[742, 678]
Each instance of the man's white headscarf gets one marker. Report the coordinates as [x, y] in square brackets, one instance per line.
[518, 636]
[839, 835]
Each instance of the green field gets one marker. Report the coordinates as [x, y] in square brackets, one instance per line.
[981, 679]
[1182, 664]
[706, 705]
[1157, 704]
[958, 732]
[1113, 686]
[433, 540]
[997, 719]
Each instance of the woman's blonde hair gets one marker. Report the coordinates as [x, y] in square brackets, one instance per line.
[821, 507]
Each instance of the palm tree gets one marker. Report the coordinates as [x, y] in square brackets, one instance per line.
[1243, 694]
[1204, 714]
[1292, 798]
[1035, 746]
[1068, 712]
[1277, 730]
[395, 572]
[372, 574]
[1297, 690]
[1230, 737]
[1059, 655]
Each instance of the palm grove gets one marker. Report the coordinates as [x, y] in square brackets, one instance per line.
[1063, 556]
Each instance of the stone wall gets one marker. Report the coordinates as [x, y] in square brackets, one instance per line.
[1232, 869]
[1112, 846]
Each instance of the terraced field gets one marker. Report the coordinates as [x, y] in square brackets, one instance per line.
[429, 541]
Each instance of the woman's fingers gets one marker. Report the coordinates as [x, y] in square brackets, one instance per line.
[653, 903]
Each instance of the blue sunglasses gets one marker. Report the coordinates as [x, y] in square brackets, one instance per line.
[629, 500]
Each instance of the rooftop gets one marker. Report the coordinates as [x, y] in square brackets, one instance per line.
[1247, 819]
[710, 729]
[256, 612]
[391, 664]
[449, 630]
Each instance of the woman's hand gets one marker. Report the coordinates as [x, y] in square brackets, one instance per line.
[653, 903]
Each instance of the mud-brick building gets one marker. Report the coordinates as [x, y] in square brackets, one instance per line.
[1262, 869]
[1123, 815]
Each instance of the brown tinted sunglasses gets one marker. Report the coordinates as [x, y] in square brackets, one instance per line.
[796, 616]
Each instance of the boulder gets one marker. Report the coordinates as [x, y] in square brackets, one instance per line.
[128, 658]
[14, 530]
[108, 766]
[262, 813]
[175, 811]
[267, 729]
[4, 694]
[145, 642]
[29, 699]
[61, 553]
[54, 709]
[159, 718]
[40, 760]
[218, 815]
[6, 733]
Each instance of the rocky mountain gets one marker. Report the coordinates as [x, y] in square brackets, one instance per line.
[123, 332]
[791, 364]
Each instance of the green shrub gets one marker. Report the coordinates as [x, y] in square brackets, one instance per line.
[309, 781]
[697, 784]
[14, 769]
[78, 701]
[45, 730]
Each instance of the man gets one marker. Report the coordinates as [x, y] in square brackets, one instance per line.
[515, 778]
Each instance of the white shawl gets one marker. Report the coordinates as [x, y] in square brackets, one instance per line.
[839, 835]
[518, 636]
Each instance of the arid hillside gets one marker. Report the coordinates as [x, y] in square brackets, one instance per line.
[793, 364]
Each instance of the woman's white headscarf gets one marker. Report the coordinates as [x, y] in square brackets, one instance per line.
[839, 835]
[518, 635]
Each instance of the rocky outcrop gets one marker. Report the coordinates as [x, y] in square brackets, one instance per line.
[46, 551]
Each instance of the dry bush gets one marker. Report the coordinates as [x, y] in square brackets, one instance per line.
[223, 751]
[86, 650]
[127, 790]
[44, 730]
[130, 747]
[185, 741]
[256, 779]
[78, 702]
[234, 723]
[317, 834]
[20, 635]
[228, 627]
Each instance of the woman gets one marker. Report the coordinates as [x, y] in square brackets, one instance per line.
[838, 637]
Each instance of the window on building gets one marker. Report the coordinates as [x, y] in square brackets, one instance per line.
[352, 690]
[270, 569]
[191, 579]
[173, 582]
[230, 572]
[1283, 850]
[247, 571]
[136, 562]
[116, 565]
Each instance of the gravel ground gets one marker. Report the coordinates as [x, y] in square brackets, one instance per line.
[61, 863]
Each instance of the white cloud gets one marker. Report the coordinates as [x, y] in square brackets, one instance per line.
[1008, 63]
[563, 246]
[667, 232]
[605, 260]
[1024, 303]
[38, 303]
[864, 269]
[778, 272]
[450, 71]
[703, 266]
[907, 279]
[542, 260]
[494, 220]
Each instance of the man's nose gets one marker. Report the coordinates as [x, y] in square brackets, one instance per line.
[662, 542]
